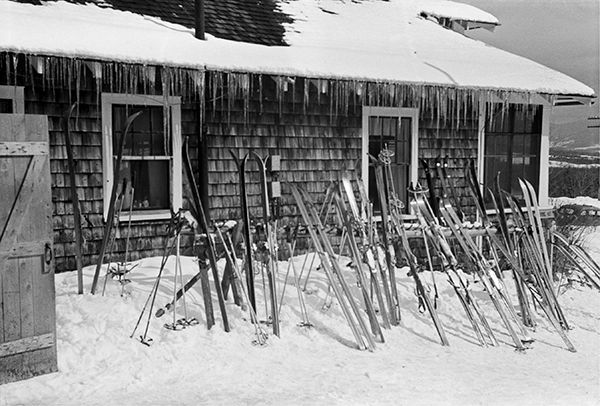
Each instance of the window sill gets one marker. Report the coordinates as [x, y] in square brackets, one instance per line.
[545, 211]
[149, 215]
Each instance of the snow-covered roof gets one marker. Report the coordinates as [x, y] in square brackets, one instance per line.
[457, 11]
[370, 40]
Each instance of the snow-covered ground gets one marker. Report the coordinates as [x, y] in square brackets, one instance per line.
[100, 364]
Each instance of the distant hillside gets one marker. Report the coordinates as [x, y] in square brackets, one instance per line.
[575, 135]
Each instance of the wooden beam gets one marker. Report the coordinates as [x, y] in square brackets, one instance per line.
[16, 148]
[24, 249]
[26, 344]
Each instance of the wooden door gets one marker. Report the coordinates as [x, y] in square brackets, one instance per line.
[27, 296]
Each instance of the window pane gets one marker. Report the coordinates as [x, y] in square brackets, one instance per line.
[373, 192]
[497, 144]
[498, 120]
[374, 125]
[534, 120]
[518, 144]
[520, 117]
[389, 127]
[374, 148]
[532, 144]
[6, 106]
[391, 133]
[151, 182]
[515, 152]
[146, 135]
[404, 140]
[493, 165]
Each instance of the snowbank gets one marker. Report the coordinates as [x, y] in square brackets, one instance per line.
[99, 364]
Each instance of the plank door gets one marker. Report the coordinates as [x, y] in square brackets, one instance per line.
[27, 296]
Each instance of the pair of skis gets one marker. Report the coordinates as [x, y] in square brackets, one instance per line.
[391, 208]
[363, 225]
[206, 254]
[209, 257]
[441, 169]
[433, 232]
[533, 248]
[386, 235]
[352, 225]
[114, 195]
[269, 257]
[333, 270]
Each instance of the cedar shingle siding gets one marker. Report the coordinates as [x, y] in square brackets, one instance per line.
[316, 133]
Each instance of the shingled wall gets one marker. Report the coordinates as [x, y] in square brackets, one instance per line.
[314, 144]
[315, 140]
[315, 135]
[148, 238]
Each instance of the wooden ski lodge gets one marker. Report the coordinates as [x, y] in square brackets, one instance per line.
[292, 79]
[318, 123]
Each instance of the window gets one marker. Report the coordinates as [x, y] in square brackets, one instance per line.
[394, 129]
[513, 137]
[12, 100]
[151, 162]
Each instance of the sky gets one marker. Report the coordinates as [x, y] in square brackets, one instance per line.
[561, 34]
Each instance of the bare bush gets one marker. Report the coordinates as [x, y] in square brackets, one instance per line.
[574, 182]
[576, 228]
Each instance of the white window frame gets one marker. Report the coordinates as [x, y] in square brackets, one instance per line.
[544, 168]
[176, 192]
[17, 95]
[400, 112]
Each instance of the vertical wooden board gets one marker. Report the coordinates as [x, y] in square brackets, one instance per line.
[36, 128]
[11, 299]
[38, 216]
[17, 123]
[7, 195]
[2, 300]
[40, 361]
[44, 316]
[26, 269]
[6, 127]
[20, 167]
[39, 225]
[7, 176]
[44, 194]
[12, 368]
[12, 314]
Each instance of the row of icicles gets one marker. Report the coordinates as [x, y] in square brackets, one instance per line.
[222, 88]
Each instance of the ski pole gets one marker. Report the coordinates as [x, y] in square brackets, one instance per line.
[131, 194]
[261, 336]
[291, 248]
[113, 237]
